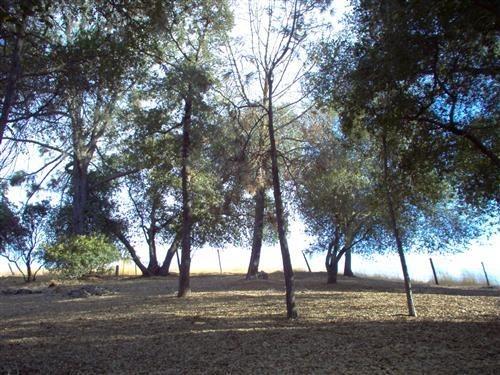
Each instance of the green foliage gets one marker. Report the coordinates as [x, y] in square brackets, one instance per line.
[337, 195]
[81, 255]
[427, 71]
[10, 228]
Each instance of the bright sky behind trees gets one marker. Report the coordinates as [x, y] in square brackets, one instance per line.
[235, 259]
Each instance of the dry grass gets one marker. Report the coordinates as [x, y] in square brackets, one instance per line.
[229, 325]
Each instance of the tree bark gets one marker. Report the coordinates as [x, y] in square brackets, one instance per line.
[12, 78]
[396, 233]
[285, 253]
[184, 282]
[258, 230]
[80, 195]
[153, 265]
[331, 262]
[348, 264]
[121, 237]
[333, 271]
[29, 273]
[174, 246]
[81, 160]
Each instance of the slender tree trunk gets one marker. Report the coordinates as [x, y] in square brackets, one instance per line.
[285, 253]
[153, 265]
[184, 282]
[80, 196]
[9, 95]
[348, 264]
[29, 273]
[332, 262]
[132, 252]
[397, 235]
[174, 246]
[258, 230]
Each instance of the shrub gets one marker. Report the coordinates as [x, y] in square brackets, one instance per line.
[77, 256]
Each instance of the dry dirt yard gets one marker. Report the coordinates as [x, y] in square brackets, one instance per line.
[230, 325]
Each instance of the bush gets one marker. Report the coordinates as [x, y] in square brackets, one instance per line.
[77, 256]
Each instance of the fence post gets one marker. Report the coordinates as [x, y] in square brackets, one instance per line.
[308, 267]
[485, 274]
[434, 272]
[117, 270]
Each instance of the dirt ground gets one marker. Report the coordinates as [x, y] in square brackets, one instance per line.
[230, 325]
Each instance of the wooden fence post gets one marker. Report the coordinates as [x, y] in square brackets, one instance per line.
[117, 270]
[434, 272]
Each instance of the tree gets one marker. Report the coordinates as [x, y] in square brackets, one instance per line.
[336, 194]
[428, 107]
[94, 61]
[393, 219]
[200, 29]
[22, 236]
[436, 67]
[27, 72]
[249, 164]
[278, 35]
[81, 255]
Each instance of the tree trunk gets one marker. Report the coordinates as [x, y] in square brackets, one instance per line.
[9, 95]
[29, 273]
[331, 262]
[174, 246]
[184, 282]
[258, 230]
[80, 196]
[333, 271]
[131, 251]
[285, 253]
[153, 265]
[397, 235]
[348, 264]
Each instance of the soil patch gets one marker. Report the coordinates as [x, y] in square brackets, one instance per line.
[232, 325]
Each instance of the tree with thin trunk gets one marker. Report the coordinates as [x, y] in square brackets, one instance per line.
[187, 203]
[94, 61]
[437, 71]
[278, 33]
[27, 88]
[395, 228]
[251, 169]
[194, 29]
[21, 242]
[335, 192]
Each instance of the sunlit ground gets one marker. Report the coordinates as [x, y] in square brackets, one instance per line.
[230, 325]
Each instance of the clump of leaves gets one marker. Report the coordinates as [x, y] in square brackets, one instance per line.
[77, 256]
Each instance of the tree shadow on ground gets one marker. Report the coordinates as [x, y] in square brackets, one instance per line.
[142, 342]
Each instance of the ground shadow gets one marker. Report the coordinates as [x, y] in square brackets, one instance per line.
[263, 344]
